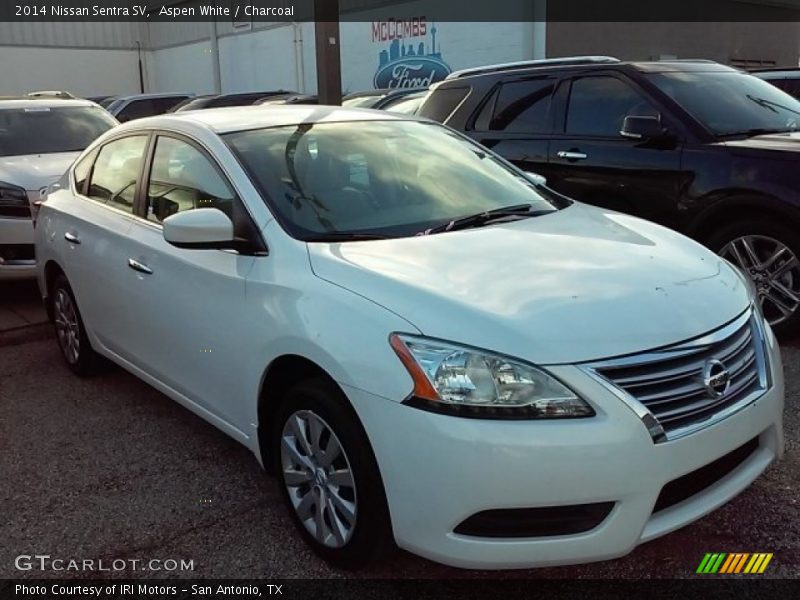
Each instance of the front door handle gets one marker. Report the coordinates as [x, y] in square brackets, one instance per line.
[572, 155]
[141, 267]
[72, 238]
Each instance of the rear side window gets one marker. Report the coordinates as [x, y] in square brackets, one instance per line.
[136, 110]
[519, 107]
[162, 105]
[790, 86]
[114, 176]
[598, 106]
[442, 102]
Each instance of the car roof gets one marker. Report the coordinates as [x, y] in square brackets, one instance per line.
[44, 101]
[586, 62]
[149, 96]
[242, 118]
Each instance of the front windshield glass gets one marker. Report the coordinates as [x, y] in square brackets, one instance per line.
[390, 178]
[360, 101]
[44, 130]
[731, 103]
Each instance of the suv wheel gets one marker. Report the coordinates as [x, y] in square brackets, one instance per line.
[70, 332]
[329, 476]
[768, 253]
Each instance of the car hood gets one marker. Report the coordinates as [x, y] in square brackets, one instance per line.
[35, 171]
[781, 142]
[577, 285]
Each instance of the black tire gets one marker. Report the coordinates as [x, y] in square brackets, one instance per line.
[763, 233]
[71, 335]
[370, 538]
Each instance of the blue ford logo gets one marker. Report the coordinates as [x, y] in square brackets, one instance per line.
[411, 72]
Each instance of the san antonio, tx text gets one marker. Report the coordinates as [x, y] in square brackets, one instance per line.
[142, 589]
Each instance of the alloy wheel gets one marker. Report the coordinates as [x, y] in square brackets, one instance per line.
[318, 478]
[774, 270]
[67, 327]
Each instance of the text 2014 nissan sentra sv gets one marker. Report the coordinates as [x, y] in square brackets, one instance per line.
[425, 344]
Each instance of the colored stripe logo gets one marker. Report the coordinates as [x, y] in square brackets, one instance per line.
[734, 563]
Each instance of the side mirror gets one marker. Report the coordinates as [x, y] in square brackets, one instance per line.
[200, 229]
[641, 127]
[536, 178]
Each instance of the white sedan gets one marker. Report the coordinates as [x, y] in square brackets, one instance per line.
[425, 344]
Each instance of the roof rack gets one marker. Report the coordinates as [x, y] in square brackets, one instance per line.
[523, 64]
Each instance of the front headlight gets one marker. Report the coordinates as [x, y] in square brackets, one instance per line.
[467, 382]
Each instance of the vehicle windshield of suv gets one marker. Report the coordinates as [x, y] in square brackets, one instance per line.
[731, 103]
[45, 130]
[381, 179]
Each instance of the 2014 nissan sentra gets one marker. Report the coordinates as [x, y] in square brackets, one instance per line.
[424, 343]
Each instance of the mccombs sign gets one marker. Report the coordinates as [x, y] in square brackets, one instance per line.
[411, 57]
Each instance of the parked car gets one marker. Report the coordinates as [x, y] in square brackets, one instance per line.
[237, 99]
[407, 104]
[39, 139]
[378, 98]
[423, 343]
[290, 99]
[102, 100]
[787, 80]
[702, 148]
[137, 106]
[50, 94]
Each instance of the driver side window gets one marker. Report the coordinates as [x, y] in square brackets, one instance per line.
[115, 172]
[182, 178]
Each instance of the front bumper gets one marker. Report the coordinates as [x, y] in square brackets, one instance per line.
[439, 470]
[16, 232]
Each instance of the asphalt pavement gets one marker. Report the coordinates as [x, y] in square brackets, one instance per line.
[108, 468]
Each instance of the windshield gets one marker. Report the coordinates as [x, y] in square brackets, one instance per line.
[45, 130]
[731, 103]
[389, 178]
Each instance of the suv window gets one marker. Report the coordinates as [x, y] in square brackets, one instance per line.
[518, 106]
[598, 106]
[82, 170]
[183, 178]
[441, 104]
[113, 178]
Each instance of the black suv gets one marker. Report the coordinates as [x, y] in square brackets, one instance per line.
[786, 79]
[694, 145]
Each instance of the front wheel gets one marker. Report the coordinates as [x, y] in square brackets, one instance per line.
[330, 479]
[768, 253]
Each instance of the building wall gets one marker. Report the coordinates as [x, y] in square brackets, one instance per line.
[185, 68]
[729, 43]
[84, 72]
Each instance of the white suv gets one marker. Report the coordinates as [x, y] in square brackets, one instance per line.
[39, 139]
[424, 343]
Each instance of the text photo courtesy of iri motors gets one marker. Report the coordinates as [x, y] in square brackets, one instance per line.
[297, 298]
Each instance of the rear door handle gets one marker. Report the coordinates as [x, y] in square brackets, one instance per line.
[141, 267]
[72, 238]
[571, 155]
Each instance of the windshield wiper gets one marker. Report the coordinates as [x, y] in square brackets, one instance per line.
[345, 236]
[753, 132]
[770, 104]
[487, 217]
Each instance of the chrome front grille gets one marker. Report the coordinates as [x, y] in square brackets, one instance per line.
[698, 383]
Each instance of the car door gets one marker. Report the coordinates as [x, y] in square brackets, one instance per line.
[94, 231]
[591, 161]
[515, 121]
[183, 300]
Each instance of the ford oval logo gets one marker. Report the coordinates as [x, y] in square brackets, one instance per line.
[411, 72]
[716, 378]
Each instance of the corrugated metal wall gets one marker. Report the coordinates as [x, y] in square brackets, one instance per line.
[73, 34]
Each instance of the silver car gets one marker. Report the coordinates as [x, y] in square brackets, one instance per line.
[39, 140]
